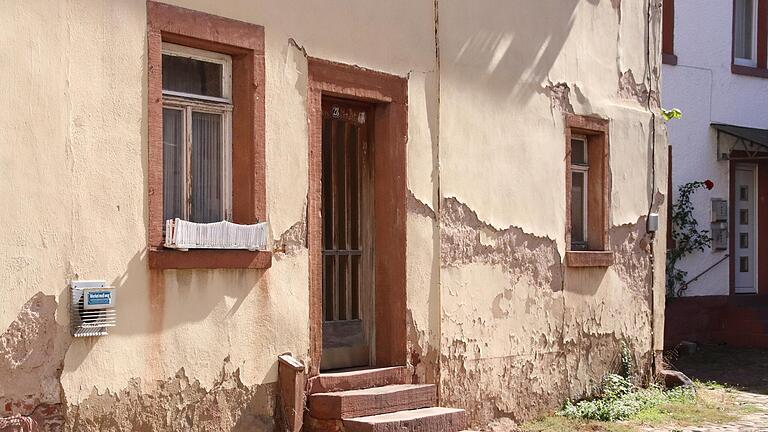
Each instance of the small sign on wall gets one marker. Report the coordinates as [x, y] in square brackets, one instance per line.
[98, 298]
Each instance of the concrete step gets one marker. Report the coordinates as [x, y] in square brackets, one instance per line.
[371, 401]
[419, 420]
[359, 379]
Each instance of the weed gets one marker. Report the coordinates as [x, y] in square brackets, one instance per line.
[622, 400]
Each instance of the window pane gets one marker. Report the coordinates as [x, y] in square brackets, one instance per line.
[577, 207]
[744, 241]
[183, 74]
[207, 173]
[578, 152]
[173, 163]
[743, 32]
[743, 217]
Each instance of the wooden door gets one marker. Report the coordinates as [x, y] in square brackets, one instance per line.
[745, 230]
[347, 242]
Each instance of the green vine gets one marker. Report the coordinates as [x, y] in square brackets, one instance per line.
[686, 236]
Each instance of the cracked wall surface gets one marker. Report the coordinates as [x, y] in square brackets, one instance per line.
[179, 403]
[76, 184]
[521, 332]
[493, 316]
[31, 360]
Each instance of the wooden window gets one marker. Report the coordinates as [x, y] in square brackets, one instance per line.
[750, 37]
[579, 192]
[668, 32]
[205, 120]
[588, 192]
[197, 123]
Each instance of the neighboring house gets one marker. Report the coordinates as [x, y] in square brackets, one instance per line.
[455, 190]
[716, 73]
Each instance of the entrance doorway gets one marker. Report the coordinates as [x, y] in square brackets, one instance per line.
[347, 242]
[357, 291]
[745, 229]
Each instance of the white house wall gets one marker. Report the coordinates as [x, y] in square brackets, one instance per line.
[702, 86]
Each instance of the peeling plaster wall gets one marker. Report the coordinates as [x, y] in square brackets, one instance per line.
[520, 331]
[74, 181]
[493, 316]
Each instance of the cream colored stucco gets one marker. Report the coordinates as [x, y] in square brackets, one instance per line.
[500, 131]
[483, 136]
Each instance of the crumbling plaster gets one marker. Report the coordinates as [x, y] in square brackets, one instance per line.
[76, 186]
[519, 330]
[486, 204]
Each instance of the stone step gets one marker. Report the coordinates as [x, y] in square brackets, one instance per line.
[359, 379]
[419, 420]
[371, 401]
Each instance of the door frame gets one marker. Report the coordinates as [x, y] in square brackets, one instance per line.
[389, 95]
[760, 168]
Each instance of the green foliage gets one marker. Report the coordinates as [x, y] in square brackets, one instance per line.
[670, 114]
[626, 370]
[621, 400]
[711, 403]
[616, 386]
[686, 236]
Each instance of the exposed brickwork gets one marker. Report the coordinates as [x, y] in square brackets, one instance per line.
[31, 360]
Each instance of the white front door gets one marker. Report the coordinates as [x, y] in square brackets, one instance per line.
[745, 231]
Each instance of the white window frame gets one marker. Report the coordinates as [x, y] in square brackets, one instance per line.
[750, 62]
[584, 169]
[189, 103]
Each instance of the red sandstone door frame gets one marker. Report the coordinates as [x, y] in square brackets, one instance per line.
[388, 94]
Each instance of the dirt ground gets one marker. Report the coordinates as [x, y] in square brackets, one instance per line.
[745, 369]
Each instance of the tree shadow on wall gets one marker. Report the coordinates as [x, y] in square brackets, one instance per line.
[514, 48]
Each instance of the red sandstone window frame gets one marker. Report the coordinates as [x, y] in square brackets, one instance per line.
[244, 43]
[596, 132]
[668, 33]
[761, 67]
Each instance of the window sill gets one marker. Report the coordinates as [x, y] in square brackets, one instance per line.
[669, 59]
[589, 258]
[209, 259]
[749, 71]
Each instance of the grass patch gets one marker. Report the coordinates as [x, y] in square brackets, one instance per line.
[631, 411]
[559, 424]
[621, 400]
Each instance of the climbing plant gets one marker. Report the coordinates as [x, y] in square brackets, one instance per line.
[686, 236]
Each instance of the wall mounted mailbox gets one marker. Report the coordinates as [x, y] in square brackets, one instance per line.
[93, 308]
[719, 210]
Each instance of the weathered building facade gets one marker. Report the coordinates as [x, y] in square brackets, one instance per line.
[461, 189]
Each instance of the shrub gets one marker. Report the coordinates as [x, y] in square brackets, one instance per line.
[621, 400]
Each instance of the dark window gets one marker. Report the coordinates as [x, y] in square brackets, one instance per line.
[668, 32]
